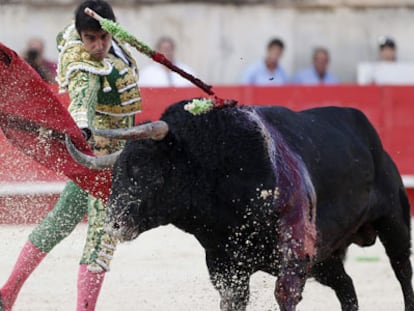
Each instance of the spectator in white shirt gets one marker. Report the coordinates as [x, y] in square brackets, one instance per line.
[157, 75]
[387, 49]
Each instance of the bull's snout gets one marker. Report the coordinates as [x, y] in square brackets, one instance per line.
[113, 228]
[119, 222]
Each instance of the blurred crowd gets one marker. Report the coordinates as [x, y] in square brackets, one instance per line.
[269, 71]
[265, 71]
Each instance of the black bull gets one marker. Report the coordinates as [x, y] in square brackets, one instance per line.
[266, 188]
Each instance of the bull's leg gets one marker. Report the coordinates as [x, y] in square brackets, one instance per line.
[290, 283]
[394, 234]
[294, 263]
[232, 284]
[296, 238]
[331, 273]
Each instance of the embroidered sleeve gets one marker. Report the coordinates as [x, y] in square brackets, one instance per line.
[83, 92]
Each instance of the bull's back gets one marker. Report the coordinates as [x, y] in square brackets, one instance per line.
[330, 140]
[344, 157]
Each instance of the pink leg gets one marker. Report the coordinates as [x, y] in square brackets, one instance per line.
[89, 286]
[29, 258]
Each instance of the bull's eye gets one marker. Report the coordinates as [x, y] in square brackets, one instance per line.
[136, 171]
[157, 180]
[116, 226]
[147, 178]
[144, 175]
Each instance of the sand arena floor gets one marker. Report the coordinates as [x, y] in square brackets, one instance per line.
[164, 270]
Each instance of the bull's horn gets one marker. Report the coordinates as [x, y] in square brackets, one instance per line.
[154, 130]
[101, 162]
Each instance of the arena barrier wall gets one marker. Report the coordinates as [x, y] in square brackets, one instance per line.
[28, 190]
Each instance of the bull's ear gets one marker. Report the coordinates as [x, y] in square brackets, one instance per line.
[154, 130]
[100, 163]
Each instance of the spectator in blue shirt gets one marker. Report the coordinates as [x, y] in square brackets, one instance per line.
[267, 71]
[318, 73]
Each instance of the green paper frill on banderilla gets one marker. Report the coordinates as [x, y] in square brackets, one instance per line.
[199, 106]
[120, 33]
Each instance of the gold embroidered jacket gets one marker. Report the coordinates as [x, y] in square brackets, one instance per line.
[107, 87]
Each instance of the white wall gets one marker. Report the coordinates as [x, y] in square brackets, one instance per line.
[219, 41]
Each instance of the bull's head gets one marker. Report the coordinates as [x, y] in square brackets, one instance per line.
[137, 176]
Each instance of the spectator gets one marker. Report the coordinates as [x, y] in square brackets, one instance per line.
[387, 49]
[34, 55]
[386, 69]
[318, 73]
[157, 75]
[267, 71]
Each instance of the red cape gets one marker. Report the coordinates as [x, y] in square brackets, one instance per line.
[35, 122]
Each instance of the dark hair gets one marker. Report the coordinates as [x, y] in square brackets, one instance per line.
[276, 42]
[85, 22]
[386, 42]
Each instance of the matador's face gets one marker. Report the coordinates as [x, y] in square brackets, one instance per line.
[97, 42]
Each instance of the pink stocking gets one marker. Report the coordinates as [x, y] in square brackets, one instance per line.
[89, 286]
[29, 258]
